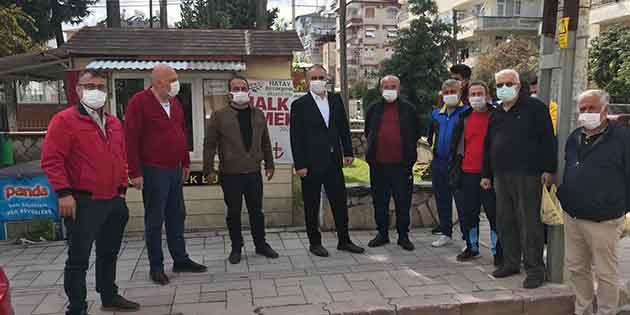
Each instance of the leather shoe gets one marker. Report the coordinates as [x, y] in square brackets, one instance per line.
[532, 283]
[378, 240]
[498, 260]
[505, 272]
[406, 244]
[319, 250]
[189, 266]
[120, 304]
[159, 277]
[350, 247]
[235, 257]
[267, 251]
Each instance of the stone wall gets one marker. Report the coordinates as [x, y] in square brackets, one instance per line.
[27, 146]
[359, 143]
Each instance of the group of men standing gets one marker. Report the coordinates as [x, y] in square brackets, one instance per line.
[495, 156]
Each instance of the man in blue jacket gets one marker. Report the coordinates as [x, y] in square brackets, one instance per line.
[441, 126]
[595, 195]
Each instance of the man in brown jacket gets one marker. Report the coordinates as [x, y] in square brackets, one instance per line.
[240, 133]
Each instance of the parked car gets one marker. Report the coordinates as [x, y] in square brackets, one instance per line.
[5, 295]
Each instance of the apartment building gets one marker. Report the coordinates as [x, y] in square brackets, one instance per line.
[371, 29]
[605, 13]
[315, 30]
[486, 23]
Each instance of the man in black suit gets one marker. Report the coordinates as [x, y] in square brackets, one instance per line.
[319, 128]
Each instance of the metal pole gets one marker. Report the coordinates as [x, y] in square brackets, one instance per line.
[150, 13]
[292, 14]
[163, 14]
[343, 60]
[455, 59]
[547, 48]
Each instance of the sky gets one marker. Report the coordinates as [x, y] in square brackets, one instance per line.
[98, 12]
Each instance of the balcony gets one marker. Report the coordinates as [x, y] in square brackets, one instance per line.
[476, 24]
[609, 11]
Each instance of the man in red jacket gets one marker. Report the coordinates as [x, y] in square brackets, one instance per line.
[83, 156]
[159, 163]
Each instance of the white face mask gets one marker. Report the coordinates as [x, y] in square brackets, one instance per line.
[318, 86]
[174, 89]
[94, 99]
[590, 121]
[390, 95]
[451, 100]
[507, 93]
[240, 98]
[477, 102]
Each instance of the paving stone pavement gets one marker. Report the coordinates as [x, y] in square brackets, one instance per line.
[386, 280]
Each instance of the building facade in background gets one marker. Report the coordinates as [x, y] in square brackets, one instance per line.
[371, 29]
[605, 13]
[487, 23]
[315, 30]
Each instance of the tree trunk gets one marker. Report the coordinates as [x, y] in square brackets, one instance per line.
[113, 13]
[11, 99]
[261, 15]
[343, 50]
[163, 14]
[56, 22]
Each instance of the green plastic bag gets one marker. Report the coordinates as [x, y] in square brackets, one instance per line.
[6, 151]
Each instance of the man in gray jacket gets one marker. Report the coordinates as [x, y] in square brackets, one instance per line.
[240, 133]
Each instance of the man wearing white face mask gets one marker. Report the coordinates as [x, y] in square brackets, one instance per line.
[84, 158]
[520, 156]
[392, 132]
[595, 195]
[159, 162]
[239, 164]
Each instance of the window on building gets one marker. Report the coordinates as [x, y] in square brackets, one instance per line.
[392, 13]
[392, 33]
[370, 33]
[353, 12]
[369, 52]
[370, 13]
[46, 92]
[215, 96]
[125, 89]
[508, 7]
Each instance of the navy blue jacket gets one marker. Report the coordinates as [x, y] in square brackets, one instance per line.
[597, 187]
[441, 126]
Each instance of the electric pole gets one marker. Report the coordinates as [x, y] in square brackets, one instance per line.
[343, 60]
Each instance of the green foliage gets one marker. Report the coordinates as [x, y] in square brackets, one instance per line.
[609, 62]
[223, 14]
[421, 56]
[40, 228]
[358, 172]
[520, 54]
[14, 39]
[359, 89]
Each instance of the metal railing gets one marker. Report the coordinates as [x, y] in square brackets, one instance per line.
[489, 23]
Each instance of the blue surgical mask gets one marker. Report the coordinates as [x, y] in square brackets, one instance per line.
[506, 94]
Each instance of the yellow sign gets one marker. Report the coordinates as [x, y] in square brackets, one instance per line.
[563, 33]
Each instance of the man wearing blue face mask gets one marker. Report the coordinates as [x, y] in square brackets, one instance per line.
[440, 134]
[519, 157]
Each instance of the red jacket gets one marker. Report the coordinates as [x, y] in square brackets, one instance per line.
[154, 139]
[78, 159]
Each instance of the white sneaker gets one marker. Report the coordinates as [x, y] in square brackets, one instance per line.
[442, 241]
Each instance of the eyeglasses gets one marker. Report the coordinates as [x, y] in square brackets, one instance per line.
[90, 86]
[508, 84]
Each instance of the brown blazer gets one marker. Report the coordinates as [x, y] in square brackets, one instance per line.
[224, 135]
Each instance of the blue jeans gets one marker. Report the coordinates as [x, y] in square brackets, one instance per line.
[444, 197]
[163, 205]
[389, 180]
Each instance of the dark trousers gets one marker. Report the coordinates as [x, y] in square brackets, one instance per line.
[234, 188]
[335, 186]
[389, 180]
[163, 205]
[472, 198]
[518, 218]
[102, 221]
[444, 197]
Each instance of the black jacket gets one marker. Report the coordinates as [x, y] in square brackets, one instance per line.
[597, 186]
[409, 130]
[312, 141]
[520, 141]
[457, 139]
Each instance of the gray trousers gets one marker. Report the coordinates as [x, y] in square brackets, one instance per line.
[518, 220]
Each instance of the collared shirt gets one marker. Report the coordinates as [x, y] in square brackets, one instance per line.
[100, 121]
[323, 106]
[167, 108]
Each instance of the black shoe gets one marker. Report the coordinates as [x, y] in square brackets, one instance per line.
[436, 231]
[319, 250]
[120, 304]
[159, 277]
[498, 260]
[505, 272]
[406, 244]
[532, 283]
[350, 247]
[267, 251]
[378, 240]
[468, 255]
[189, 266]
[235, 257]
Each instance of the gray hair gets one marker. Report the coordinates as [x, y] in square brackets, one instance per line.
[452, 83]
[510, 72]
[389, 76]
[604, 97]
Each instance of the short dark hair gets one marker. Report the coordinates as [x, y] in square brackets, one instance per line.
[237, 77]
[462, 70]
[94, 73]
[534, 81]
[317, 66]
[479, 83]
